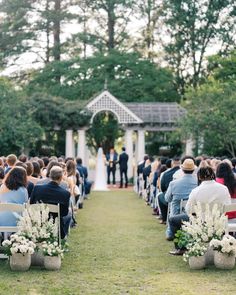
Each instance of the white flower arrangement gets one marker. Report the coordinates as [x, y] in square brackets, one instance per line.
[206, 223]
[227, 245]
[36, 225]
[52, 249]
[196, 249]
[18, 244]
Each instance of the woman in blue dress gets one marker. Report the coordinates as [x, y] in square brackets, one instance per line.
[13, 191]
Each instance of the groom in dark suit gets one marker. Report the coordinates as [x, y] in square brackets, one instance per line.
[123, 162]
[112, 158]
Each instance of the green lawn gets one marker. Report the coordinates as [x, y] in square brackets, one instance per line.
[118, 248]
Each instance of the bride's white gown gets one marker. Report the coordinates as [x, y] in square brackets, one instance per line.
[100, 183]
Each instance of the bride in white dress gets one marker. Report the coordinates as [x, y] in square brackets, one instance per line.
[100, 175]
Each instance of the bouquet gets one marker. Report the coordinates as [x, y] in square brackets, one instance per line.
[52, 249]
[18, 244]
[227, 245]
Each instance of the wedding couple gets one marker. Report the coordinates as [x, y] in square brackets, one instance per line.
[109, 161]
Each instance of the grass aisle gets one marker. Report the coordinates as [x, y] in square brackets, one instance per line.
[118, 248]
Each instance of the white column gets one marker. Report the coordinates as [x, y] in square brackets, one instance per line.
[189, 147]
[81, 148]
[129, 150]
[141, 144]
[69, 143]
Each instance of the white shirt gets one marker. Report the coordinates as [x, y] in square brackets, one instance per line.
[208, 192]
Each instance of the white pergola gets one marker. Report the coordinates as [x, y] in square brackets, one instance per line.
[133, 117]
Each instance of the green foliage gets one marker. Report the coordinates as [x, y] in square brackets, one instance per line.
[211, 118]
[130, 78]
[19, 132]
[194, 26]
[181, 239]
[103, 132]
[164, 143]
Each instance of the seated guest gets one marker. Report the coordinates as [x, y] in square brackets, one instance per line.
[29, 171]
[22, 158]
[225, 176]
[208, 192]
[44, 170]
[180, 189]
[166, 178]
[36, 175]
[13, 191]
[2, 175]
[52, 193]
[11, 161]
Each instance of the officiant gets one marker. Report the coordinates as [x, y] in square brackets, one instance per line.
[111, 161]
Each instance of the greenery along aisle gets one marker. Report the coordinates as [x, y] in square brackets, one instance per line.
[118, 248]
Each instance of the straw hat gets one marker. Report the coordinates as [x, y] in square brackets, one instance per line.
[188, 165]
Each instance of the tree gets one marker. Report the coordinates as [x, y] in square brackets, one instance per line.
[150, 12]
[194, 27]
[211, 118]
[112, 18]
[130, 78]
[19, 132]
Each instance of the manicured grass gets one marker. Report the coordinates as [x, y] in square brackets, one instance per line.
[118, 248]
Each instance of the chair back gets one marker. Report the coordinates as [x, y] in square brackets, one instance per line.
[5, 230]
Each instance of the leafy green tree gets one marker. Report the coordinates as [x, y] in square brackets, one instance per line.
[194, 27]
[103, 132]
[19, 132]
[130, 78]
[211, 118]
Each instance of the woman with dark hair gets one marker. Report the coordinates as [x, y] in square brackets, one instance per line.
[13, 191]
[225, 176]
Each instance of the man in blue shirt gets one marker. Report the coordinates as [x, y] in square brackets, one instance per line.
[179, 190]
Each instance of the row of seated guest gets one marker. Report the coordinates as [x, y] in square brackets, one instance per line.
[202, 179]
[28, 181]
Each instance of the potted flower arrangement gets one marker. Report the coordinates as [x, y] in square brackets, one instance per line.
[225, 251]
[195, 255]
[36, 225]
[53, 254]
[19, 249]
[206, 224]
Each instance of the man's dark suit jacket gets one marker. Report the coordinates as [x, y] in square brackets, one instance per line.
[167, 178]
[52, 193]
[123, 161]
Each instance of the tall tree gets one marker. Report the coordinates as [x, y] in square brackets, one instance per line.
[149, 11]
[112, 18]
[195, 27]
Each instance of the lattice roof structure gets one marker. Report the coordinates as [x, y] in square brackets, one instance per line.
[154, 116]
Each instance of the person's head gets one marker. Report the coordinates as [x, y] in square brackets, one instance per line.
[79, 161]
[29, 168]
[36, 170]
[2, 162]
[205, 174]
[20, 164]
[11, 160]
[145, 158]
[233, 161]
[2, 173]
[16, 178]
[198, 161]
[45, 161]
[22, 158]
[175, 162]
[187, 157]
[123, 149]
[69, 159]
[50, 165]
[225, 171]
[188, 166]
[228, 162]
[56, 174]
[70, 168]
[112, 150]
[41, 163]
[168, 163]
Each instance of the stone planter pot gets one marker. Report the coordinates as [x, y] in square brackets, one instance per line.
[209, 256]
[198, 262]
[37, 259]
[224, 261]
[52, 262]
[20, 262]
